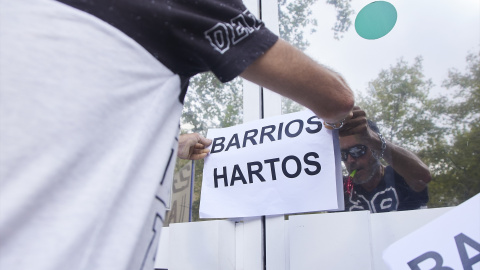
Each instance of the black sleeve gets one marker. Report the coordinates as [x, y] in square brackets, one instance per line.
[408, 198]
[188, 36]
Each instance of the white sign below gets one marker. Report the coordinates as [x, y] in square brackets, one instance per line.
[452, 241]
[280, 165]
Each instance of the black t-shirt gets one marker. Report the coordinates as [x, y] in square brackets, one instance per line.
[392, 194]
[188, 37]
[91, 93]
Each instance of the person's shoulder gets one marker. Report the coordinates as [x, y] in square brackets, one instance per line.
[401, 184]
[396, 175]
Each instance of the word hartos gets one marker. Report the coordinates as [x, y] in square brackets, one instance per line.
[255, 169]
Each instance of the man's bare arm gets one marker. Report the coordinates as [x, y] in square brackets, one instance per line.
[289, 72]
[408, 165]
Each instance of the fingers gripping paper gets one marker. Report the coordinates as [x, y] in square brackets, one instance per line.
[284, 164]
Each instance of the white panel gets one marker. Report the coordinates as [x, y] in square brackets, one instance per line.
[226, 246]
[202, 245]
[276, 247]
[270, 15]
[253, 244]
[239, 246]
[272, 103]
[387, 228]
[339, 241]
[163, 250]
[251, 101]
[287, 244]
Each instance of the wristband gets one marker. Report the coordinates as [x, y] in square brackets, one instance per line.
[337, 125]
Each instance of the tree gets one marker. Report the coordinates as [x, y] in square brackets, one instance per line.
[295, 17]
[446, 137]
[459, 177]
[212, 104]
[398, 100]
[466, 109]
[344, 12]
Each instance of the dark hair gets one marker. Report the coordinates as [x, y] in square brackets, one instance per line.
[373, 126]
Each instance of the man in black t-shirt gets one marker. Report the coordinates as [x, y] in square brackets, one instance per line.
[91, 94]
[401, 185]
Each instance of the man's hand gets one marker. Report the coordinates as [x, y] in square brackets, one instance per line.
[192, 146]
[357, 125]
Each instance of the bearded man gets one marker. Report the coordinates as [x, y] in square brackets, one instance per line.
[400, 185]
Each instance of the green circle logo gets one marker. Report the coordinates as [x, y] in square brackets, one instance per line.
[376, 20]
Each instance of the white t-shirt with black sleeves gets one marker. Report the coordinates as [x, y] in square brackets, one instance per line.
[91, 94]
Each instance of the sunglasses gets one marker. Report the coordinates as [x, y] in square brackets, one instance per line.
[354, 151]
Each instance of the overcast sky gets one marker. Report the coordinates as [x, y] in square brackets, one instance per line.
[443, 32]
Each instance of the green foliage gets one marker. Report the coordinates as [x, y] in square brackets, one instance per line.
[443, 131]
[344, 12]
[459, 177]
[460, 181]
[211, 104]
[446, 137]
[294, 17]
[466, 109]
[398, 101]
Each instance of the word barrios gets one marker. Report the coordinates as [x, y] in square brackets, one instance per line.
[271, 132]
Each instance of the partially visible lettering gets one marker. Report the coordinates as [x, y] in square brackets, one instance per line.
[414, 264]
[223, 35]
[460, 240]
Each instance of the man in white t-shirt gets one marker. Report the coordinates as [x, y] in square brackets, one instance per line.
[91, 94]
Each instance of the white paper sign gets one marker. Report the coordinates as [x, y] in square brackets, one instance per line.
[283, 164]
[450, 242]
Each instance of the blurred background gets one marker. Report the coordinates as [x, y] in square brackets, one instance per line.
[420, 83]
